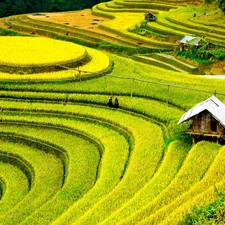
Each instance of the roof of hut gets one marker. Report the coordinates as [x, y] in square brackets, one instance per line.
[149, 13]
[212, 104]
[190, 40]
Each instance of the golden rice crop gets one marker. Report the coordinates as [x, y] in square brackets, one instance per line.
[83, 158]
[45, 185]
[108, 178]
[146, 155]
[170, 166]
[197, 160]
[33, 51]
[115, 145]
[200, 194]
[205, 198]
[99, 62]
[13, 178]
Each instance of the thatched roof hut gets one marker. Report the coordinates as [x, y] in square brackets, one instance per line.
[188, 41]
[150, 16]
[208, 120]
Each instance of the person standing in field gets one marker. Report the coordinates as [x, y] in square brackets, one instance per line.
[110, 103]
[116, 105]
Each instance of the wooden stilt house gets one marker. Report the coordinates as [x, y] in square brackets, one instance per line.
[208, 120]
[150, 16]
[188, 41]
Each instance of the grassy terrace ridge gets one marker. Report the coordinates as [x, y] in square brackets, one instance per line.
[151, 5]
[89, 69]
[104, 86]
[131, 20]
[158, 62]
[184, 180]
[176, 151]
[81, 171]
[214, 17]
[64, 52]
[111, 37]
[86, 37]
[212, 32]
[72, 107]
[46, 28]
[92, 34]
[44, 185]
[8, 105]
[169, 24]
[100, 134]
[177, 63]
[12, 177]
[39, 55]
[9, 27]
[213, 175]
[163, 30]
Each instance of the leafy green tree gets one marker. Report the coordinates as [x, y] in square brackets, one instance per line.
[222, 5]
[19, 7]
[2, 9]
[214, 213]
[13, 7]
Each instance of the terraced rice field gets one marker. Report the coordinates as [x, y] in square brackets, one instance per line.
[109, 161]
[42, 56]
[68, 158]
[119, 27]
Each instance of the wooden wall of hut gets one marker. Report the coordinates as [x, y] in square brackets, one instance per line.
[206, 124]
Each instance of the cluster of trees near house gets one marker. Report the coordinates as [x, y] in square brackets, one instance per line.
[14, 7]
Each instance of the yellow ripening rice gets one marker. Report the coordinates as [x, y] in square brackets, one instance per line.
[37, 51]
[99, 63]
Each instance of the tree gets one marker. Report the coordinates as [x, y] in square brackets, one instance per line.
[13, 7]
[19, 7]
[222, 5]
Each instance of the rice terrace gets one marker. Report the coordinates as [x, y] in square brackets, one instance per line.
[66, 157]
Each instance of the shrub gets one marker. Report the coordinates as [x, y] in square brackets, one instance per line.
[214, 213]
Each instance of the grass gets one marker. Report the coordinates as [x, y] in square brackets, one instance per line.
[198, 193]
[45, 185]
[82, 166]
[171, 164]
[12, 177]
[86, 70]
[143, 152]
[131, 69]
[125, 121]
[106, 175]
[184, 180]
[29, 51]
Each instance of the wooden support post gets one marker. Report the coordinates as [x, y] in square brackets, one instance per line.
[193, 140]
[132, 88]
[105, 83]
[168, 94]
[79, 75]
[1, 112]
[79, 72]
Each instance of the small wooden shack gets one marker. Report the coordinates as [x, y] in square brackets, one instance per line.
[150, 16]
[188, 41]
[208, 120]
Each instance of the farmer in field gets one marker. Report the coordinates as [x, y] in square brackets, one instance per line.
[116, 105]
[110, 103]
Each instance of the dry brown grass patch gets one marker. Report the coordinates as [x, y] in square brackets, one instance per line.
[82, 19]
